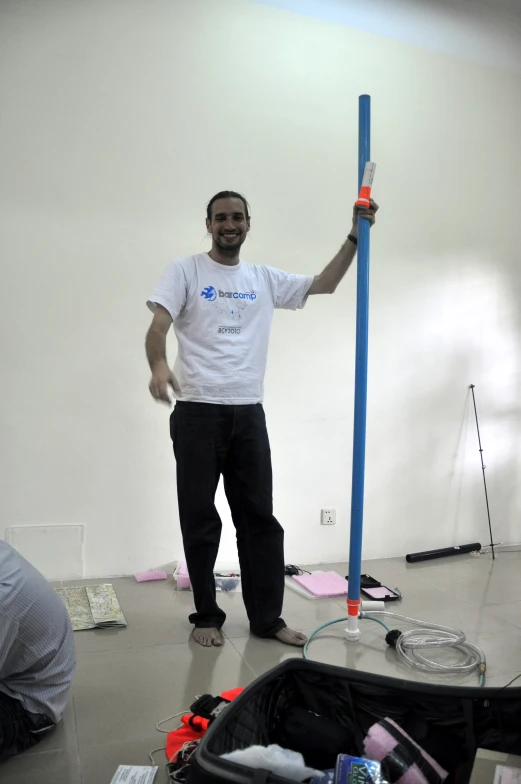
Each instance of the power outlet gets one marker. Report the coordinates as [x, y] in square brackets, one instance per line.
[328, 517]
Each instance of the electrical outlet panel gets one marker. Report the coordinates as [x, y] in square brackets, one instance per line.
[328, 517]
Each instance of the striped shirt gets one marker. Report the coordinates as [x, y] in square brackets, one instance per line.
[37, 656]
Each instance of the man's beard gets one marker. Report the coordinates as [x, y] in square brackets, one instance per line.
[229, 245]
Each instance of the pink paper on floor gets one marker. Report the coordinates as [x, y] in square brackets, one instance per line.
[323, 584]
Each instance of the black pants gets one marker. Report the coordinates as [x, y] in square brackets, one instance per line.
[19, 730]
[232, 441]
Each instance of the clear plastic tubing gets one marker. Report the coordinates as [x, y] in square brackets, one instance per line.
[412, 646]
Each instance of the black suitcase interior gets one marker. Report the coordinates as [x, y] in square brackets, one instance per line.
[448, 722]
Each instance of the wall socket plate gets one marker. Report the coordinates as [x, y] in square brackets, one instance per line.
[328, 517]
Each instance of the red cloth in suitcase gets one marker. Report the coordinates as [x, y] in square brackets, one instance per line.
[187, 733]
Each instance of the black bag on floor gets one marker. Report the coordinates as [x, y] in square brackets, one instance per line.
[448, 722]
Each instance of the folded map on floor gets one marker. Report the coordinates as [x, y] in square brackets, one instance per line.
[92, 607]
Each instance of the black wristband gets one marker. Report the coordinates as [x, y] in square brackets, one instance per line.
[352, 239]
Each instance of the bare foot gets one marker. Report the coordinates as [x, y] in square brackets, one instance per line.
[289, 637]
[208, 637]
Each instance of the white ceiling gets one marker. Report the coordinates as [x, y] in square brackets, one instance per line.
[487, 31]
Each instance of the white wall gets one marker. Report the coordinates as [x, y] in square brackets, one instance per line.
[119, 120]
[485, 31]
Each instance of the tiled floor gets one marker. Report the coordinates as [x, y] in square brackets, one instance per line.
[128, 680]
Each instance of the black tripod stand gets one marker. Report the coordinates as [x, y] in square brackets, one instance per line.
[483, 466]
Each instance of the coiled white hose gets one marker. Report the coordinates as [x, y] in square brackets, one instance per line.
[428, 636]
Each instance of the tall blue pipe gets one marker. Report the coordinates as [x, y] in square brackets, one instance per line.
[362, 335]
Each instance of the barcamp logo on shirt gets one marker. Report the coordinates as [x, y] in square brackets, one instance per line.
[210, 294]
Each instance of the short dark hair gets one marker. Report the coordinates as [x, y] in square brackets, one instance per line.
[227, 195]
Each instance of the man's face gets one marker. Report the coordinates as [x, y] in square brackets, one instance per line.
[228, 226]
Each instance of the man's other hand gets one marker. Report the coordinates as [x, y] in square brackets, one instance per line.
[162, 379]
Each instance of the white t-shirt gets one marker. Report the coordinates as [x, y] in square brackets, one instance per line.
[222, 319]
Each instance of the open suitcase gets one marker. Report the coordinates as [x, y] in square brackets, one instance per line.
[448, 722]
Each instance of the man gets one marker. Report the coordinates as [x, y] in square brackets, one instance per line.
[222, 310]
[37, 657]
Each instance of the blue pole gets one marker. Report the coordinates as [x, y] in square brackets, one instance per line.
[362, 333]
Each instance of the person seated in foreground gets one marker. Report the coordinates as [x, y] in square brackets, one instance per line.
[37, 655]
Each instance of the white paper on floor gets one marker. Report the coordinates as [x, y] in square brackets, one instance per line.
[134, 774]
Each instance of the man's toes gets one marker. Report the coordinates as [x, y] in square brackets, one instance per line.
[208, 637]
[290, 637]
[202, 638]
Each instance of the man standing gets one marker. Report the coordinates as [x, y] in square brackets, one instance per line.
[37, 657]
[222, 310]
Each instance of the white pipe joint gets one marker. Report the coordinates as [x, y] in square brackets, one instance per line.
[368, 607]
[352, 631]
